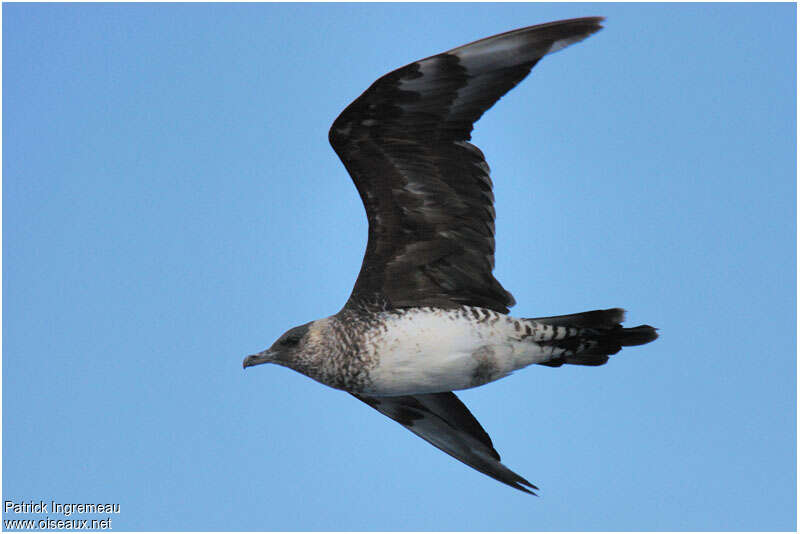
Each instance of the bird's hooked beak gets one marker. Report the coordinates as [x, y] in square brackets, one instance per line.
[256, 359]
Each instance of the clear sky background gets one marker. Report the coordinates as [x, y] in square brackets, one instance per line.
[171, 204]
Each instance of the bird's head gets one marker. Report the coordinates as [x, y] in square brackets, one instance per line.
[283, 350]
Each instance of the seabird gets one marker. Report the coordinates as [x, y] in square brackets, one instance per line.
[426, 316]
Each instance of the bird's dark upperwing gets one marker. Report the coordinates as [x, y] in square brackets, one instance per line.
[425, 188]
[443, 421]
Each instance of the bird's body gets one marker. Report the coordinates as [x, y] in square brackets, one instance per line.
[426, 315]
[419, 350]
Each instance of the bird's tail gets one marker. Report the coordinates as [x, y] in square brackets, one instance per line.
[589, 338]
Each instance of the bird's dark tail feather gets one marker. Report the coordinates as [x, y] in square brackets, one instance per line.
[599, 334]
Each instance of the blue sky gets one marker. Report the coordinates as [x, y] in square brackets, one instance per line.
[171, 204]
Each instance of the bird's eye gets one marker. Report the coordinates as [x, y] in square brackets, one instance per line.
[290, 341]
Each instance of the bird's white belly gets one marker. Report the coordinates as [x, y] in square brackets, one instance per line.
[429, 350]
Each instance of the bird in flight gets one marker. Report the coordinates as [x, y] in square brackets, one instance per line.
[426, 315]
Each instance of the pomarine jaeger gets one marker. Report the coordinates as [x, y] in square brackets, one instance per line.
[426, 315]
